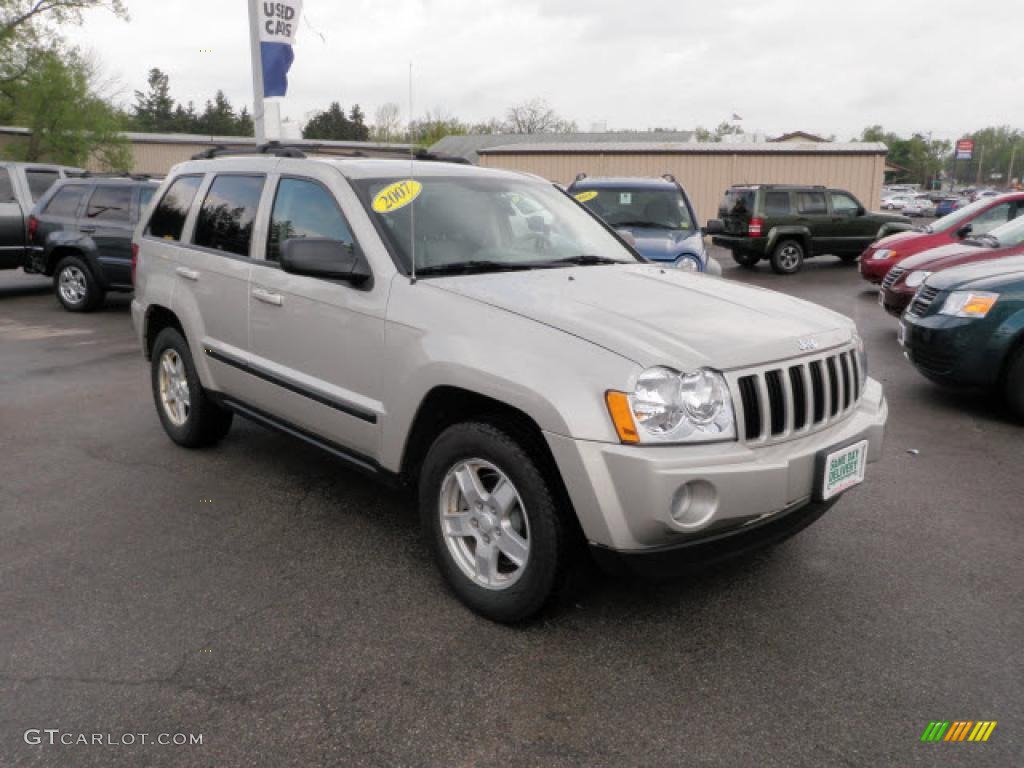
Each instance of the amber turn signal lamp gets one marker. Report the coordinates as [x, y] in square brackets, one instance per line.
[622, 416]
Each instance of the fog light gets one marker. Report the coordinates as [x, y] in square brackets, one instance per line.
[694, 504]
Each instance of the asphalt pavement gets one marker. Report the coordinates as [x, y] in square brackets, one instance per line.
[262, 596]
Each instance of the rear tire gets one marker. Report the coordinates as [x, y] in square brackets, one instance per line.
[1013, 388]
[75, 286]
[745, 258]
[190, 417]
[478, 533]
[787, 257]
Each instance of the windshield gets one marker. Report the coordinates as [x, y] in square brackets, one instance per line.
[637, 207]
[485, 223]
[951, 220]
[1009, 234]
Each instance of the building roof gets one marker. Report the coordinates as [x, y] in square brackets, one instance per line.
[470, 145]
[675, 148]
[798, 136]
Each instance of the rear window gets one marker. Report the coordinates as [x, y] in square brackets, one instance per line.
[145, 195]
[66, 201]
[39, 182]
[736, 202]
[110, 203]
[168, 220]
[776, 203]
[228, 213]
[811, 202]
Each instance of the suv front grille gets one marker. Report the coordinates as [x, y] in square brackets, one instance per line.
[892, 276]
[798, 399]
[922, 300]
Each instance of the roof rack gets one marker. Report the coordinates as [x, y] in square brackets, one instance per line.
[299, 151]
[580, 176]
[113, 175]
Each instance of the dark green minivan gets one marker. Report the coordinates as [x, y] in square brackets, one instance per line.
[789, 223]
[965, 329]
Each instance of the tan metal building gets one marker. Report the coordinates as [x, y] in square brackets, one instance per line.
[707, 170]
[156, 153]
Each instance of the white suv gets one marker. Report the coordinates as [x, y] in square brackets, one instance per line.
[536, 381]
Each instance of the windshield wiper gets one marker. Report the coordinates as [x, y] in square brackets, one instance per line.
[583, 260]
[649, 224]
[472, 267]
[990, 240]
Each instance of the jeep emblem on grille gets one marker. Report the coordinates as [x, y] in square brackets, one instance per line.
[808, 344]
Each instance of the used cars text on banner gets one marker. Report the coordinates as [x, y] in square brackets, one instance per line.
[278, 24]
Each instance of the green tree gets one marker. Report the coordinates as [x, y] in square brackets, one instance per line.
[722, 130]
[333, 125]
[154, 110]
[219, 119]
[358, 130]
[57, 100]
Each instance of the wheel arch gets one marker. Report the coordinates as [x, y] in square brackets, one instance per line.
[158, 318]
[800, 234]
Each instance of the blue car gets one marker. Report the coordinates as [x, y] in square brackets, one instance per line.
[656, 213]
[947, 205]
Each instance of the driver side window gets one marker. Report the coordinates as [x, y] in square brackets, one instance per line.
[990, 219]
[843, 204]
[303, 208]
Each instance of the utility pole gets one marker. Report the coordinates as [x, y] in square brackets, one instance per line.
[1009, 171]
[981, 161]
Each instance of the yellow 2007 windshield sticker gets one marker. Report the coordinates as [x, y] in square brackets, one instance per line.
[585, 196]
[397, 195]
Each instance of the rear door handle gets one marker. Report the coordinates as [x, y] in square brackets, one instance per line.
[188, 274]
[88, 230]
[267, 297]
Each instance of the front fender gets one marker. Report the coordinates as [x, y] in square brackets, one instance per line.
[788, 231]
[1006, 338]
[439, 339]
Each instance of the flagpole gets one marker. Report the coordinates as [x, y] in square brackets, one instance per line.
[258, 110]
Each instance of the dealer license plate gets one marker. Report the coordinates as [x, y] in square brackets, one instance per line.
[844, 469]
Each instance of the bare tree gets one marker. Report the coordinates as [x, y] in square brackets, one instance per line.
[387, 124]
[536, 116]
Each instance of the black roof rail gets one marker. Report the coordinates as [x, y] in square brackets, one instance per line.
[668, 177]
[581, 176]
[300, 151]
[113, 175]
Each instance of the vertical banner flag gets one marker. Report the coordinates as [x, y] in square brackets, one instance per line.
[278, 25]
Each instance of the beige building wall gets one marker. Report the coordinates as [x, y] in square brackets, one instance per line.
[705, 176]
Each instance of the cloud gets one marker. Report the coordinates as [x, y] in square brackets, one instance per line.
[782, 64]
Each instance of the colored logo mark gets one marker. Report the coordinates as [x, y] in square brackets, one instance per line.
[958, 730]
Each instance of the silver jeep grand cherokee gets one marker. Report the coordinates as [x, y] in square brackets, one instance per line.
[535, 380]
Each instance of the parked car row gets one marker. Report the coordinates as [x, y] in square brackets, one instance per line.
[957, 286]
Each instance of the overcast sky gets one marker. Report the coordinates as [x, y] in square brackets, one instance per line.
[826, 67]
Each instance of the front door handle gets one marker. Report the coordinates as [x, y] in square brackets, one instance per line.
[267, 297]
[188, 274]
[88, 230]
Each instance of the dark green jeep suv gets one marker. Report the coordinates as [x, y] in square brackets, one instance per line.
[788, 224]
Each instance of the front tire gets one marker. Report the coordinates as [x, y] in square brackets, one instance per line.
[787, 257]
[75, 286]
[1013, 388]
[495, 529]
[189, 416]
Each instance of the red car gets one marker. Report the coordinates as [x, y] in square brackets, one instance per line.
[903, 280]
[975, 219]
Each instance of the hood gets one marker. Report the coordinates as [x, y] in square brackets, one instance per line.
[981, 275]
[910, 241]
[666, 244]
[657, 316]
[946, 256]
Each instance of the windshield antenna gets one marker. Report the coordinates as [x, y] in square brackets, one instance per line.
[412, 176]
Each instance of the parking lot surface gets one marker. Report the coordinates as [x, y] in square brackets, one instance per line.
[262, 595]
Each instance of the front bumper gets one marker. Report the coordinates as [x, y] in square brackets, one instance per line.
[954, 351]
[874, 270]
[623, 494]
[895, 299]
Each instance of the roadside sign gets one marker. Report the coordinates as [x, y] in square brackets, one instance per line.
[964, 149]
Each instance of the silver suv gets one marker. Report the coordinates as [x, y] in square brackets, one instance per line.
[483, 338]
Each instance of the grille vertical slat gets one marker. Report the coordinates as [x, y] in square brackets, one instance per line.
[751, 408]
[833, 386]
[776, 402]
[855, 367]
[796, 386]
[844, 364]
[818, 391]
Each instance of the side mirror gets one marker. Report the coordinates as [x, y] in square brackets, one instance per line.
[626, 235]
[964, 231]
[714, 227]
[321, 257]
[536, 224]
[861, 210]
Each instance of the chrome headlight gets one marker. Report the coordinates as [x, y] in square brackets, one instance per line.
[688, 263]
[671, 407]
[883, 253]
[969, 303]
[917, 277]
